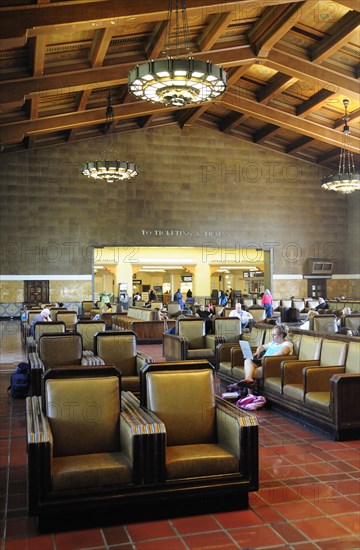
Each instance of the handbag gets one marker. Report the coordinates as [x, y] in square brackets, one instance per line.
[251, 402]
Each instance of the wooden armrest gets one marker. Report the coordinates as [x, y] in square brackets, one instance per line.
[224, 351]
[271, 365]
[292, 371]
[318, 379]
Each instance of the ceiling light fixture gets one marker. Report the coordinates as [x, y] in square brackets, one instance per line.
[347, 180]
[176, 80]
[109, 170]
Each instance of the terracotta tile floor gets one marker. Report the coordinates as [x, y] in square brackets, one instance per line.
[308, 497]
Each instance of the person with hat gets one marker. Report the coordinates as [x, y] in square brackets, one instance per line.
[43, 316]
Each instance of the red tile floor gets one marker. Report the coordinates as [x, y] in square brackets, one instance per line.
[308, 496]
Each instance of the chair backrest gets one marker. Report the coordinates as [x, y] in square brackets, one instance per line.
[182, 399]
[324, 323]
[226, 311]
[230, 327]
[45, 327]
[333, 353]
[219, 310]
[54, 311]
[352, 321]
[248, 302]
[193, 330]
[299, 304]
[32, 313]
[275, 304]
[259, 314]
[312, 304]
[88, 329]
[310, 348]
[353, 358]
[118, 349]
[91, 425]
[69, 318]
[296, 341]
[286, 303]
[56, 350]
[255, 337]
[173, 308]
[156, 305]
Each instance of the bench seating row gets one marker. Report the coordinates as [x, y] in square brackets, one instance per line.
[144, 322]
[320, 383]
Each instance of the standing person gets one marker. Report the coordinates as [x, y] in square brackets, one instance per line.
[205, 314]
[266, 302]
[178, 298]
[152, 296]
[278, 346]
[43, 316]
[223, 298]
[244, 316]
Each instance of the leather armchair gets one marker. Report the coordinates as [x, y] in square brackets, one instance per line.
[81, 456]
[57, 350]
[219, 454]
[352, 322]
[88, 329]
[333, 353]
[86, 307]
[119, 349]
[69, 318]
[190, 342]
[324, 323]
[228, 327]
[43, 328]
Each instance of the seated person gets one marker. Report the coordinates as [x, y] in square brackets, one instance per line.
[306, 323]
[204, 313]
[345, 311]
[322, 304]
[278, 346]
[43, 316]
[107, 308]
[244, 316]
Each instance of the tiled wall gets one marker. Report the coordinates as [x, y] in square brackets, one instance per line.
[194, 186]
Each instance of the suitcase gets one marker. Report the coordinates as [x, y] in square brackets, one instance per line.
[293, 315]
[284, 314]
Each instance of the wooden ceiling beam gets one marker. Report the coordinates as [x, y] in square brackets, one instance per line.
[274, 23]
[298, 145]
[287, 121]
[352, 116]
[231, 122]
[237, 72]
[157, 41]
[276, 86]
[313, 103]
[190, 116]
[217, 25]
[318, 76]
[100, 46]
[266, 132]
[327, 157]
[21, 22]
[339, 34]
[37, 50]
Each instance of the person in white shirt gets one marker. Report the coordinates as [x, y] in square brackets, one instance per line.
[278, 346]
[244, 316]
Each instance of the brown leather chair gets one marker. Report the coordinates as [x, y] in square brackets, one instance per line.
[219, 453]
[88, 330]
[69, 318]
[86, 307]
[119, 349]
[41, 328]
[57, 350]
[324, 323]
[82, 456]
[293, 384]
[191, 342]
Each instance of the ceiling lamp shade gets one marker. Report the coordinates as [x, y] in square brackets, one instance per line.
[109, 170]
[176, 80]
[346, 180]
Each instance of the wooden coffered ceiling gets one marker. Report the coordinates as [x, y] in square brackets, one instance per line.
[290, 64]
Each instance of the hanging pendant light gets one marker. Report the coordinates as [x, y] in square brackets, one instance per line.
[109, 170]
[176, 80]
[347, 180]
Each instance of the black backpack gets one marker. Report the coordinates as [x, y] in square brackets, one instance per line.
[20, 381]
